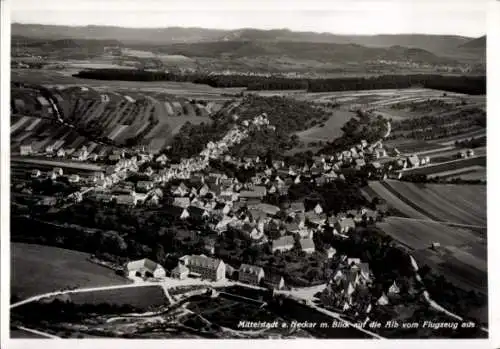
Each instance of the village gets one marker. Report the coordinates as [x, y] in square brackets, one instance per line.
[202, 194]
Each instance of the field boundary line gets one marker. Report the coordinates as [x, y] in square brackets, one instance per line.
[408, 202]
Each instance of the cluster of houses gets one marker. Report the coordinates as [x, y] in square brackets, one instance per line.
[349, 289]
[205, 268]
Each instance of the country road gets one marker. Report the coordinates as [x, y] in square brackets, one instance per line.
[295, 294]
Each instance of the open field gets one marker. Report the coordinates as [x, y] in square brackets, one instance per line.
[377, 189]
[461, 257]
[465, 173]
[37, 269]
[142, 298]
[481, 132]
[420, 234]
[331, 130]
[464, 204]
[50, 77]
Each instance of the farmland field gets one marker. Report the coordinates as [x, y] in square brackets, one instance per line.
[411, 146]
[464, 204]
[40, 269]
[461, 257]
[142, 298]
[420, 234]
[49, 77]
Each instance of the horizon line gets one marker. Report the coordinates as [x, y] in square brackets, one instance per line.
[245, 28]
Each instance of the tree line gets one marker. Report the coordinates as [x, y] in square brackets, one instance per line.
[474, 85]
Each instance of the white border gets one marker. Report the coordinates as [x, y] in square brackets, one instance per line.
[493, 190]
[493, 193]
[4, 168]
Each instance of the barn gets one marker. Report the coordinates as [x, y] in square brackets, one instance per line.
[145, 268]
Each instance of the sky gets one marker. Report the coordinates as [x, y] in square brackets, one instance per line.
[453, 17]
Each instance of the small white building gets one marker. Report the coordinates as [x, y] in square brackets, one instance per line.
[145, 268]
[180, 272]
[74, 178]
[26, 149]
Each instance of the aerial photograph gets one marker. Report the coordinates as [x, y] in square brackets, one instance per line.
[201, 172]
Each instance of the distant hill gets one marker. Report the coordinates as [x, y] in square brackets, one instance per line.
[433, 43]
[126, 35]
[479, 43]
[322, 52]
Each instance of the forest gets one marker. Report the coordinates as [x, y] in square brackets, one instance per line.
[474, 85]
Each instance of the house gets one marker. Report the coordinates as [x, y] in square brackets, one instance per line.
[203, 190]
[345, 225]
[184, 214]
[162, 159]
[61, 153]
[383, 300]
[394, 289]
[413, 161]
[353, 261]
[114, 158]
[180, 272]
[315, 218]
[307, 245]
[74, 178]
[145, 268]
[331, 252]
[250, 274]
[360, 163]
[144, 186]
[206, 267]
[126, 199]
[181, 202]
[292, 227]
[180, 190]
[35, 173]
[284, 243]
[296, 207]
[80, 155]
[318, 209]
[268, 209]
[48, 201]
[273, 280]
[57, 171]
[258, 192]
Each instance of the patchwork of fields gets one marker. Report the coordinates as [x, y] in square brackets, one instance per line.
[121, 116]
[37, 269]
[463, 204]
[462, 256]
[454, 216]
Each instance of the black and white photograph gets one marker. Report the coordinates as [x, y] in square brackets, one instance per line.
[261, 170]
